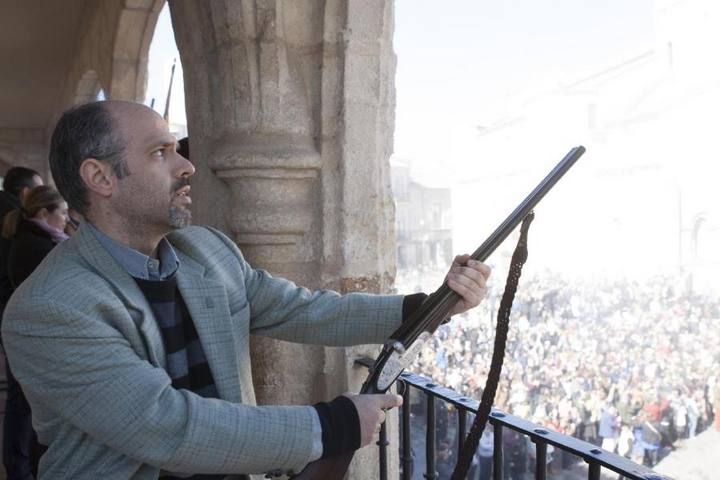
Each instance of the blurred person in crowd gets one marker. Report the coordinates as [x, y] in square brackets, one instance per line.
[609, 428]
[678, 404]
[651, 438]
[637, 453]
[16, 183]
[485, 454]
[32, 231]
[693, 414]
[515, 460]
[444, 462]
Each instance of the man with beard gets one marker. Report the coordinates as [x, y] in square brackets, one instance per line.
[131, 341]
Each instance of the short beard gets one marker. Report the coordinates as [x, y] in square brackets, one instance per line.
[179, 217]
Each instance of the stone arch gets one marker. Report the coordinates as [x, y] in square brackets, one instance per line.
[135, 28]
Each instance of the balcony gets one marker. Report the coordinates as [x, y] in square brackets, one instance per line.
[551, 455]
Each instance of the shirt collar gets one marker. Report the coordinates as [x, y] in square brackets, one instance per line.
[138, 264]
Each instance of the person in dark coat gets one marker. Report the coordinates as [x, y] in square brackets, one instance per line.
[17, 183]
[32, 232]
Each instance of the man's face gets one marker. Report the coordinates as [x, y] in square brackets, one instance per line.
[155, 194]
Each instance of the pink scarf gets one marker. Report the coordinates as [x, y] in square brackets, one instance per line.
[56, 234]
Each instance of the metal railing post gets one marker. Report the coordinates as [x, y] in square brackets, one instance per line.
[407, 460]
[430, 439]
[540, 459]
[383, 443]
[498, 452]
[462, 428]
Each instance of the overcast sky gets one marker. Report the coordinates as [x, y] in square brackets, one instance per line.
[454, 62]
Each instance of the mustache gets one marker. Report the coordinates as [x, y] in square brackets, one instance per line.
[180, 184]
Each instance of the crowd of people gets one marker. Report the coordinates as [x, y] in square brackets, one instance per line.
[630, 366]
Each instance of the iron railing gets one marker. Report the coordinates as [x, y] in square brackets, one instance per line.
[595, 457]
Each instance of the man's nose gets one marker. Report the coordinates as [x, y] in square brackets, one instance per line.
[186, 166]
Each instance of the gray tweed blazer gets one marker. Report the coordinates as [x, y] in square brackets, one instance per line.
[83, 342]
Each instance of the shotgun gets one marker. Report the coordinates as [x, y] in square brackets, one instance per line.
[403, 346]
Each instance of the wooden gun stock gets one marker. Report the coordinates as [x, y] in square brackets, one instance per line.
[404, 344]
[332, 468]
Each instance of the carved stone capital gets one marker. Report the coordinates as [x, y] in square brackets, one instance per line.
[273, 180]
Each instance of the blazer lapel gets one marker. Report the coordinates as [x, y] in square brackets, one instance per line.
[207, 303]
[127, 290]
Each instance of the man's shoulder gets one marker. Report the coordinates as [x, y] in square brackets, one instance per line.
[63, 269]
[64, 280]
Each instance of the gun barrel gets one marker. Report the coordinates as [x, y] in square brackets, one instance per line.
[436, 308]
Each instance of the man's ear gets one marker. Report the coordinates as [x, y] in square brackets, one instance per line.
[98, 177]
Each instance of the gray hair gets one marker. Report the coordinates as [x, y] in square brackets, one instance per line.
[85, 131]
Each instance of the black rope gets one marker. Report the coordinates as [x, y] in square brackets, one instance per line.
[501, 330]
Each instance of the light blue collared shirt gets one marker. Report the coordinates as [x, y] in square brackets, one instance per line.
[138, 264]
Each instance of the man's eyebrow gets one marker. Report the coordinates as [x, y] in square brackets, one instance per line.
[166, 142]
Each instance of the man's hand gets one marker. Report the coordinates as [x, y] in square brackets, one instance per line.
[371, 411]
[468, 279]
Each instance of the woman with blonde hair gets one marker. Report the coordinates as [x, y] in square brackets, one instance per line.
[33, 231]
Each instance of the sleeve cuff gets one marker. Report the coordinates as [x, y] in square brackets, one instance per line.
[411, 303]
[340, 426]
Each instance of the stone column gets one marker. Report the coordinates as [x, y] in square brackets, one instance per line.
[290, 112]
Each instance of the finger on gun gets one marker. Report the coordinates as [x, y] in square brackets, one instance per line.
[391, 400]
